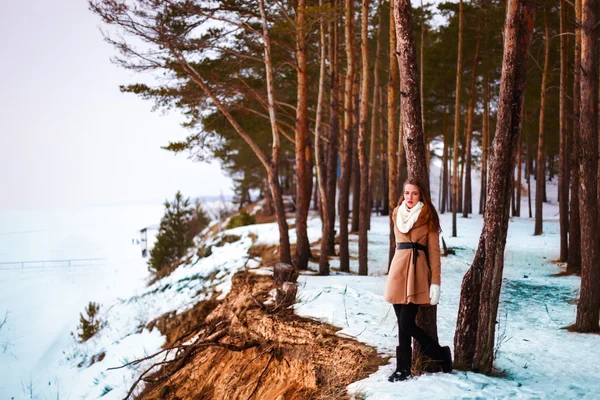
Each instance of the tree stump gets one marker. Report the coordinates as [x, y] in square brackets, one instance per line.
[284, 279]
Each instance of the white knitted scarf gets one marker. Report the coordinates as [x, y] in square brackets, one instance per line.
[406, 218]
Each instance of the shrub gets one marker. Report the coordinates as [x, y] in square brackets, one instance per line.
[90, 325]
[227, 239]
[241, 219]
[178, 227]
[204, 251]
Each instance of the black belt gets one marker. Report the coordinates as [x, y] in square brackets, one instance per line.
[415, 248]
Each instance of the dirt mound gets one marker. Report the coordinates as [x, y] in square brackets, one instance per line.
[245, 349]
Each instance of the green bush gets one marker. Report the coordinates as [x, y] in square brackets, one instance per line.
[178, 227]
[241, 219]
[90, 325]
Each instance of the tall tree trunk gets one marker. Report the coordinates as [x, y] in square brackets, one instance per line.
[269, 207]
[392, 131]
[468, 205]
[321, 165]
[529, 165]
[563, 163]
[374, 119]
[303, 150]
[347, 143]
[385, 208]
[513, 206]
[588, 306]
[485, 142]
[382, 191]
[540, 168]
[334, 132]
[518, 185]
[413, 133]
[455, 197]
[574, 259]
[421, 83]
[285, 255]
[461, 181]
[401, 177]
[474, 338]
[444, 185]
[315, 188]
[356, 173]
[449, 183]
[364, 209]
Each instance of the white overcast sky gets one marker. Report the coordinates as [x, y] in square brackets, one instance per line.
[68, 137]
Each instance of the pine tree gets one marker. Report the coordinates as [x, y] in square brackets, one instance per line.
[91, 324]
[178, 227]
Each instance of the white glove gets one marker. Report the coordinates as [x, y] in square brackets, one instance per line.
[434, 294]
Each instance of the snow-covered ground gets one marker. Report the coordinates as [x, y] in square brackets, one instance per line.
[539, 358]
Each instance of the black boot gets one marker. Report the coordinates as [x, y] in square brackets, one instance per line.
[403, 364]
[441, 354]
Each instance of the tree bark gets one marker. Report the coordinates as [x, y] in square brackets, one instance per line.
[563, 167]
[461, 180]
[401, 177]
[513, 193]
[385, 209]
[321, 165]
[364, 209]
[485, 142]
[468, 201]
[347, 143]
[518, 183]
[574, 253]
[356, 173]
[413, 129]
[540, 167]
[334, 132]
[455, 197]
[316, 198]
[269, 207]
[303, 150]
[474, 338]
[374, 119]
[529, 165]
[381, 179]
[422, 81]
[444, 185]
[392, 142]
[588, 306]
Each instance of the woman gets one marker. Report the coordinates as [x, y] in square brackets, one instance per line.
[414, 276]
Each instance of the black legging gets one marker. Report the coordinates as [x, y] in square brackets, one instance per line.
[407, 328]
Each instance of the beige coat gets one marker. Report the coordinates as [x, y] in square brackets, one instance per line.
[405, 283]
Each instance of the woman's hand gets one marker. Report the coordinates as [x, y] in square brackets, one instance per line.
[434, 294]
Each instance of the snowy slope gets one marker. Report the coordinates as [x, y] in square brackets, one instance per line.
[42, 304]
[38, 355]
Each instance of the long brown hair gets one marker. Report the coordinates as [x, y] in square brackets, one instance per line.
[434, 219]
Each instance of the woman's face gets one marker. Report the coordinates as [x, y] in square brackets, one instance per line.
[411, 195]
